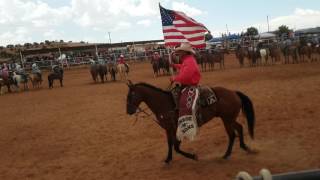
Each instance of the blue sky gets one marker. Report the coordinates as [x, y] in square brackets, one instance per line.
[133, 20]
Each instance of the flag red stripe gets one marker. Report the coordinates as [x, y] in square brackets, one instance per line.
[183, 32]
[200, 46]
[182, 37]
[186, 25]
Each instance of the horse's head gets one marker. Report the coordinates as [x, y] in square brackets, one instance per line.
[133, 99]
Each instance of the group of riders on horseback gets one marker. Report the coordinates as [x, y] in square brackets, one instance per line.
[111, 65]
[16, 75]
[258, 54]
[206, 58]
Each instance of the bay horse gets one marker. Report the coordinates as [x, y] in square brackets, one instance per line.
[275, 53]
[5, 80]
[155, 67]
[290, 50]
[241, 53]
[216, 56]
[35, 80]
[57, 75]
[161, 103]
[254, 56]
[305, 51]
[112, 69]
[98, 69]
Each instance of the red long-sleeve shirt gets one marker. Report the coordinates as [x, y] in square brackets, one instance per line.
[189, 73]
[121, 60]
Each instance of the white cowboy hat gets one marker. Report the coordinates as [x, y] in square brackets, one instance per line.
[121, 56]
[185, 47]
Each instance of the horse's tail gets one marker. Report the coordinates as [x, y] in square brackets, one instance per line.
[248, 110]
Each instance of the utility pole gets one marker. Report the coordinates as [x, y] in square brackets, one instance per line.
[109, 37]
[268, 23]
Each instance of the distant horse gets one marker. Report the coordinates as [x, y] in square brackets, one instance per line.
[202, 59]
[241, 53]
[112, 68]
[5, 80]
[290, 51]
[275, 54]
[122, 70]
[35, 80]
[4, 77]
[227, 107]
[305, 51]
[98, 69]
[155, 67]
[164, 65]
[315, 52]
[19, 79]
[57, 75]
[264, 55]
[254, 56]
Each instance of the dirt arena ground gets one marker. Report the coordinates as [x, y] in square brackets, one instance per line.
[81, 131]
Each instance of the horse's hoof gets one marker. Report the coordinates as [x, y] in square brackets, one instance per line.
[195, 157]
[167, 161]
[225, 157]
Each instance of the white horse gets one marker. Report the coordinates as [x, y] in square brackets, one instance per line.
[63, 61]
[20, 80]
[263, 55]
[121, 68]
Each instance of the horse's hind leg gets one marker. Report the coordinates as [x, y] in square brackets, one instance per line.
[61, 82]
[239, 130]
[185, 154]
[170, 143]
[231, 134]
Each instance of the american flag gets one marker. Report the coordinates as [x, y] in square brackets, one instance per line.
[178, 27]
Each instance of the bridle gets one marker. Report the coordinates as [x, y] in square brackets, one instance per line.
[140, 110]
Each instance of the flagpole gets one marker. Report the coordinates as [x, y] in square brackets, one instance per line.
[170, 62]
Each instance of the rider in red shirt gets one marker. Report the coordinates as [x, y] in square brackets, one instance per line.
[189, 73]
[121, 59]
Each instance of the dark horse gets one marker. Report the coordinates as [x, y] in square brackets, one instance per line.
[212, 56]
[112, 68]
[162, 105]
[57, 74]
[98, 69]
[6, 80]
[241, 53]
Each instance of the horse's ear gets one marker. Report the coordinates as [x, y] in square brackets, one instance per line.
[129, 83]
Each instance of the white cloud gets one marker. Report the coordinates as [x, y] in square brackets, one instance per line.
[28, 20]
[188, 10]
[301, 18]
[144, 22]
[122, 26]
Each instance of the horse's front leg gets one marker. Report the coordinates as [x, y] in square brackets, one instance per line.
[185, 154]
[170, 143]
[61, 82]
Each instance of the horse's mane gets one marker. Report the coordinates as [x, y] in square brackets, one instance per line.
[153, 87]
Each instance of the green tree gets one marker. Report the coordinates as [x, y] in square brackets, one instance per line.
[283, 29]
[208, 36]
[252, 31]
